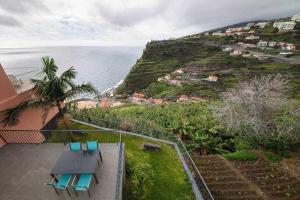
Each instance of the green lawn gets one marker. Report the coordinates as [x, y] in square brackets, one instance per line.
[149, 175]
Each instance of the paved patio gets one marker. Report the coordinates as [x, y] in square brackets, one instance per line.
[25, 168]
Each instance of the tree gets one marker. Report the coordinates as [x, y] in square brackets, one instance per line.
[261, 111]
[51, 90]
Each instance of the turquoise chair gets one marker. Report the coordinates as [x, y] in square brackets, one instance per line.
[75, 146]
[94, 146]
[61, 184]
[83, 183]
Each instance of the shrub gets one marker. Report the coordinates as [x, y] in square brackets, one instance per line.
[241, 155]
[272, 156]
[140, 177]
[260, 112]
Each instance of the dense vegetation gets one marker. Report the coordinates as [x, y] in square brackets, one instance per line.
[149, 175]
[255, 114]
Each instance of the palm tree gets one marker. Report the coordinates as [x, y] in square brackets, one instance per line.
[52, 90]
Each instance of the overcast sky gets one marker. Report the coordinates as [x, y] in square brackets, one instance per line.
[125, 22]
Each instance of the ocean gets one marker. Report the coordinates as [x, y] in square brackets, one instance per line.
[103, 66]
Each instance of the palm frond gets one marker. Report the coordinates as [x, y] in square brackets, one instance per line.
[49, 67]
[79, 89]
[69, 74]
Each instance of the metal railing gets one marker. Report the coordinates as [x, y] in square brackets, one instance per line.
[66, 136]
[21, 80]
[111, 136]
[153, 133]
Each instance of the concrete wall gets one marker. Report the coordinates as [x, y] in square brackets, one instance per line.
[29, 120]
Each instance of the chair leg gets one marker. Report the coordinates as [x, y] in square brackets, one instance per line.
[68, 192]
[76, 193]
[100, 155]
[56, 191]
[98, 162]
[88, 191]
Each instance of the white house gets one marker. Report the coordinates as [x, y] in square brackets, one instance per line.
[218, 33]
[227, 49]
[296, 17]
[252, 37]
[232, 30]
[272, 44]
[290, 47]
[288, 25]
[262, 43]
[212, 78]
[261, 24]
[236, 52]
[249, 25]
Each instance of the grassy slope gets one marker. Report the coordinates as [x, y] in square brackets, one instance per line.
[170, 180]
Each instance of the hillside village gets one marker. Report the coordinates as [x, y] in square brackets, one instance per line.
[255, 42]
[250, 38]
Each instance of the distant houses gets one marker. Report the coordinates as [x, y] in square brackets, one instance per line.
[287, 25]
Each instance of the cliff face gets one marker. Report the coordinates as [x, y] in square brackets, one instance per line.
[162, 57]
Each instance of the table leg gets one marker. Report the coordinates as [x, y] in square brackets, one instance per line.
[96, 179]
[53, 176]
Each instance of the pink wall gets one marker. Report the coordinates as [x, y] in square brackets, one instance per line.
[29, 120]
[6, 89]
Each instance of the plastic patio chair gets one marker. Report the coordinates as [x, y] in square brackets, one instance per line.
[94, 146]
[61, 184]
[75, 146]
[83, 183]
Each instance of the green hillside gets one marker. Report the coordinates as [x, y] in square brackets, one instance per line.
[203, 53]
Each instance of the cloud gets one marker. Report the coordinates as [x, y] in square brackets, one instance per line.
[130, 22]
[22, 6]
[8, 21]
[128, 13]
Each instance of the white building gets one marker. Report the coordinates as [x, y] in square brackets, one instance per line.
[232, 30]
[261, 24]
[212, 78]
[262, 43]
[227, 49]
[252, 37]
[249, 25]
[290, 47]
[218, 33]
[236, 52]
[272, 44]
[296, 17]
[289, 25]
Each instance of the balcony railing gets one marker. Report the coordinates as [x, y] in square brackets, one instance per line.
[144, 130]
[66, 136]
[21, 80]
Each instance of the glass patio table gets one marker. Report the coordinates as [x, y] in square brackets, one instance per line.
[76, 162]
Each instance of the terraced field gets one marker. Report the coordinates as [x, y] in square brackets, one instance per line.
[271, 178]
[247, 180]
[224, 181]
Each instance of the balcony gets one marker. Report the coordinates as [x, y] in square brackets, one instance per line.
[25, 170]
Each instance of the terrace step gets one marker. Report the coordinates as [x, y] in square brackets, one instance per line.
[245, 197]
[223, 180]
[271, 178]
